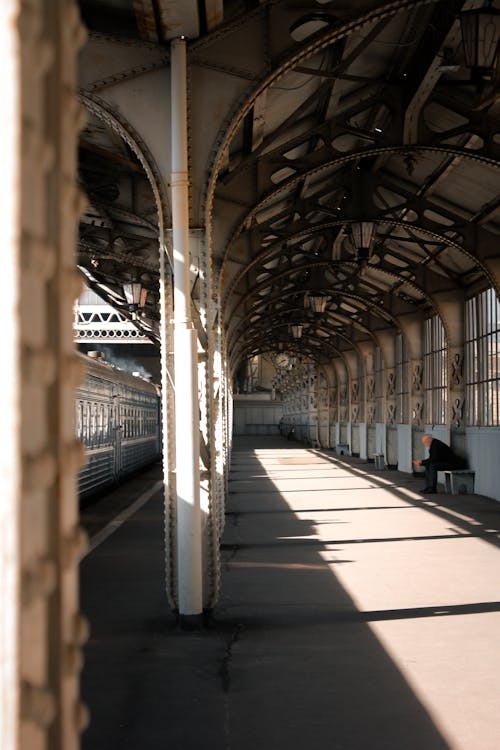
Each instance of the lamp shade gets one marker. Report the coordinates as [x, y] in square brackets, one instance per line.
[363, 234]
[297, 329]
[318, 302]
[133, 291]
[480, 35]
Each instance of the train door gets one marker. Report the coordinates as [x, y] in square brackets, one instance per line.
[117, 426]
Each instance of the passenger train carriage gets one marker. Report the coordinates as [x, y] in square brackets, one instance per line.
[118, 422]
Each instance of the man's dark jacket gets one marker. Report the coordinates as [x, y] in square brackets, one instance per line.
[440, 453]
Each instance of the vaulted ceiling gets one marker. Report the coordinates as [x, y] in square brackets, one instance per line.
[354, 115]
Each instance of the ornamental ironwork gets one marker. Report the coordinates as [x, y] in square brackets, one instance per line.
[104, 324]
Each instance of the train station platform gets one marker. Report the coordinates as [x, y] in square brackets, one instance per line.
[355, 614]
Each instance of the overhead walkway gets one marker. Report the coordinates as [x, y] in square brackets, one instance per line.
[355, 613]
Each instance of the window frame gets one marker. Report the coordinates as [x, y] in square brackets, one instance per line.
[482, 366]
[435, 371]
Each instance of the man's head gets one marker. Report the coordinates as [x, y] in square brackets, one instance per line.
[427, 440]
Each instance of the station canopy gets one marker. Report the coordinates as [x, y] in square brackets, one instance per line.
[354, 181]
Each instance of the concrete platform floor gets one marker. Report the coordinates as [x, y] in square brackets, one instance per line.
[355, 614]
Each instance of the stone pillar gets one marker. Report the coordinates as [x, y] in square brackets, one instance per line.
[371, 403]
[412, 327]
[323, 410]
[10, 437]
[356, 402]
[417, 394]
[457, 384]
[387, 345]
[390, 396]
[456, 403]
[452, 310]
[333, 418]
[40, 540]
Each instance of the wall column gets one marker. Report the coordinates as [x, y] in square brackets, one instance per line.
[40, 541]
[452, 309]
[187, 425]
[10, 439]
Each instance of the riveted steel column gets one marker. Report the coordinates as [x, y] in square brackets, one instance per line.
[187, 428]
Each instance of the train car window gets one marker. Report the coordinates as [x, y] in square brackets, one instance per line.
[92, 423]
[100, 423]
[79, 420]
[106, 422]
[86, 422]
[102, 428]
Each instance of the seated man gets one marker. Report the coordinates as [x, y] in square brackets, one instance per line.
[441, 458]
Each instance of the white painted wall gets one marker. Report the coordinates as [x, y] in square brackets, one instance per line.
[391, 445]
[439, 431]
[371, 440]
[404, 448]
[380, 438]
[256, 417]
[363, 441]
[483, 454]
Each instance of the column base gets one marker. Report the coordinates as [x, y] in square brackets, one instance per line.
[190, 622]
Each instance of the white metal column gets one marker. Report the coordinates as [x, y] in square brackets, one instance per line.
[187, 427]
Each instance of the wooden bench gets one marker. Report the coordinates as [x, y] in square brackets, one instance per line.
[459, 481]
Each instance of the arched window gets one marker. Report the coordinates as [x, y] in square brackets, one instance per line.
[379, 385]
[402, 387]
[482, 354]
[435, 371]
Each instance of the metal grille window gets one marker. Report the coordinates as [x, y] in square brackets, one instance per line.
[379, 385]
[482, 353]
[435, 371]
[402, 384]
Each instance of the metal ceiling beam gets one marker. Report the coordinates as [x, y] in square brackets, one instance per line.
[110, 156]
[384, 305]
[443, 31]
[425, 227]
